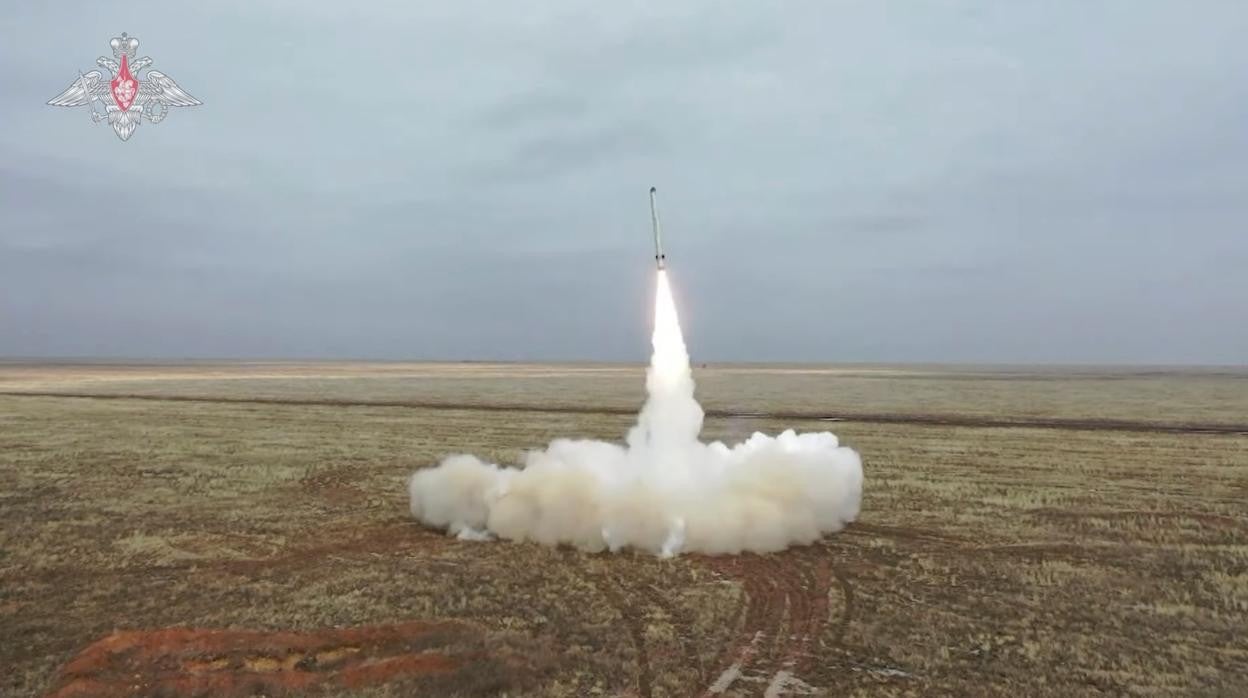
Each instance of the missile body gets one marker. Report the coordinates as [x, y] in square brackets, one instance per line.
[660, 259]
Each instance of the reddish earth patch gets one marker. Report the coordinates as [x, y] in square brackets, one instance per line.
[191, 662]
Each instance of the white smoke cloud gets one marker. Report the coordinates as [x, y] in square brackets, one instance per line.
[664, 492]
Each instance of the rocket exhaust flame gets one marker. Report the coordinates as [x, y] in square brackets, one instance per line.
[664, 491]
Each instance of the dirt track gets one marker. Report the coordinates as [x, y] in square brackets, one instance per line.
[794, 606]
[948, 420]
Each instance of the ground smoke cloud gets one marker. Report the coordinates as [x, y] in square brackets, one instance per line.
[665, 492]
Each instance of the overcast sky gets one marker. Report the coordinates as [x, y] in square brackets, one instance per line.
[838, 181]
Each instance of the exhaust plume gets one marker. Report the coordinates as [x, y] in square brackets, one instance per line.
[664, 491]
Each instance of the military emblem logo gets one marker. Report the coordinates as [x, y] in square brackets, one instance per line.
[125, 98]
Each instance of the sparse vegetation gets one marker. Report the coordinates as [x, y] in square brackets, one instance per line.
[987, 560]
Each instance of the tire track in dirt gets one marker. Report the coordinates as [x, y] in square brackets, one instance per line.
[633, 603]
[1219, 521]
[387, 539]
[812, 616]
[908, 533]
[948, 420]
[847, 594]
[384, 539]
[763, 624]
[786, 609]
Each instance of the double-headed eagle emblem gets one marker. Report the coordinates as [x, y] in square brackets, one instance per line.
[126, 99]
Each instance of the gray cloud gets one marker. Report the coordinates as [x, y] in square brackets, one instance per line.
[572, 151]
[970, 182]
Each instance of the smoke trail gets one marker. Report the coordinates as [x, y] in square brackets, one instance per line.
[664, 492]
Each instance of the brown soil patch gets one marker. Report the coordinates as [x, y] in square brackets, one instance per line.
[337, 486]
[192, 662]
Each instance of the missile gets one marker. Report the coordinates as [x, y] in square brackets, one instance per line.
[659, 258]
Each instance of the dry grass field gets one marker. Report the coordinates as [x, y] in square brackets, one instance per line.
[233, 529]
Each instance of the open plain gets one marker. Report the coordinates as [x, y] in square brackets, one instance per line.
[241, 528]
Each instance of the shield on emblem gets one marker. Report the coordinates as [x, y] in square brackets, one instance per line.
[157, 91]
[124, 86]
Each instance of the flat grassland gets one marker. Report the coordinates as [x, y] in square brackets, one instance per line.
[234, 528]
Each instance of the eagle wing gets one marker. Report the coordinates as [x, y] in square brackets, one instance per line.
[162, 88]
[75, 95]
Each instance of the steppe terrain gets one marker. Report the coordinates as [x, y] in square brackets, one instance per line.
[240, 528]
